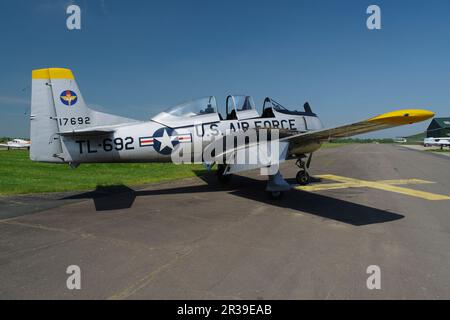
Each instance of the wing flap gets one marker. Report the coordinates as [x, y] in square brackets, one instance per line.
[249, 150]
[262, 161]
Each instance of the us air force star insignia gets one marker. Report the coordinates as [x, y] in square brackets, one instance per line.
[165, 140]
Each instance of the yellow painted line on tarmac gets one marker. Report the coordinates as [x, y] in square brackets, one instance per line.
[327, 186]
[386, 185]
[405, 181]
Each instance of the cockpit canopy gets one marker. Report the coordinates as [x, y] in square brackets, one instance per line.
[199, 110]
[271, 105]
[240, 107]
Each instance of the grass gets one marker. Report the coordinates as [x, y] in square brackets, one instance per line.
[19, 175]
[438, 150]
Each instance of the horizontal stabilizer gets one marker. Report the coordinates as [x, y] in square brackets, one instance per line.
[91, 131]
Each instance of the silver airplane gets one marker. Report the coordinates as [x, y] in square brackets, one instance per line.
[65, 130]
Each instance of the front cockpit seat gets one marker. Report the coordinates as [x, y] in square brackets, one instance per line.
[209, 109]
[268, 113]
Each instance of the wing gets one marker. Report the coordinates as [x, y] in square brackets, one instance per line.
[383, 121]
[290, 139]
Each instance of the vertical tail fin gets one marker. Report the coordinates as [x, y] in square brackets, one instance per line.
[71, 110]
[58, 106]
[45, 142]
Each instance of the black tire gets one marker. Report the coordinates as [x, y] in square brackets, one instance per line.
[275, 195]
[302, 178]
[220, 176]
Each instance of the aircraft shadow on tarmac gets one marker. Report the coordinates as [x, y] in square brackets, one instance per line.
[122, 197]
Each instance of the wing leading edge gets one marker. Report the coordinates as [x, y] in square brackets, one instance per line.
[383, 121]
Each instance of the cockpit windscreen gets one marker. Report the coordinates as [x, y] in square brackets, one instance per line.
[194, 108]
[244, 103]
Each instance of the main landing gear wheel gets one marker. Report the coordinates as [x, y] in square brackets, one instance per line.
[276, 186]
[224, 178]
[302, 178]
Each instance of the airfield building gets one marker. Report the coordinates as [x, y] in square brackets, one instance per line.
[439, 127]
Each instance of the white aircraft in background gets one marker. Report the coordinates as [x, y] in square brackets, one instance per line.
[65, 130]
[17, 144]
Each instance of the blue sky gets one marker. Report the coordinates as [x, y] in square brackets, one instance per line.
[135, 58]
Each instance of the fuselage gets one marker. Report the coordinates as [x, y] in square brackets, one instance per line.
[153, 141]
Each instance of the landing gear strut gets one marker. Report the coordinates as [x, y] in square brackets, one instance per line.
[302, 176]
[221, 169]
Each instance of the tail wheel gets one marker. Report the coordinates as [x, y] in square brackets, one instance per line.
[302, 178]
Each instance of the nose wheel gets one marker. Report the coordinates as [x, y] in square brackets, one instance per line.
[302, 176]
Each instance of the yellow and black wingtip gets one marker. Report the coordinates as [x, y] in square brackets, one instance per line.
[401, 117]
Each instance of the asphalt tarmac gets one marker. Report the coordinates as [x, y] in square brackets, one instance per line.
[198, 239]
